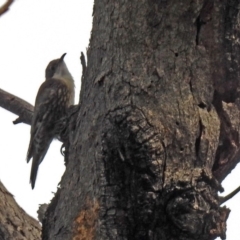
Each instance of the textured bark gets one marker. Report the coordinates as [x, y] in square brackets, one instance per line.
[157, 130]
[158, 125]
[15, 223]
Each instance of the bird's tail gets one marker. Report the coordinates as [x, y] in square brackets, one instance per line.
[38, 154]
[30, 151]
[34, 170]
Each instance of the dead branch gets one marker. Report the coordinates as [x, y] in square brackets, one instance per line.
[5, 7]
[17, 106]
[83, 62]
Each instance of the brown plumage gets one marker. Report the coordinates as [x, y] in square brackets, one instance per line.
[54, 96]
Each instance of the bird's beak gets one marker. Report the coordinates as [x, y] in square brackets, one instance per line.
[62, 57]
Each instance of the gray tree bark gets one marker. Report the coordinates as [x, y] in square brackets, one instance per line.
[157, 129]
[15, 224]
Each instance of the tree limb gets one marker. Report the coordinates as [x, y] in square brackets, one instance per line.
[229, 196]
[17, 106]
[14, 220]
[5, 7]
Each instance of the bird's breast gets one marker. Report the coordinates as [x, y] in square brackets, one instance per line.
[69, 83]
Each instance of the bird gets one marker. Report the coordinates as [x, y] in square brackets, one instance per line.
[54, 97]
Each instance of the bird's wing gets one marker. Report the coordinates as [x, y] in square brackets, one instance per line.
[47, 98]
[48, 106]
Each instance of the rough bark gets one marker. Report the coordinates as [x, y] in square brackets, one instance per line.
[158, 126]
[14, 222]
[157, 130]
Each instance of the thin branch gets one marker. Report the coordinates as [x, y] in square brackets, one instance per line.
[84, 68]
[229, 196]
[83, 62]
[5, 7]
[17, 106]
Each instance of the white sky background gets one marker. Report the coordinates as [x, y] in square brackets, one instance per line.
[33, 33]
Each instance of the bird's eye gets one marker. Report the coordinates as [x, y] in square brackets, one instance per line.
[52, 68]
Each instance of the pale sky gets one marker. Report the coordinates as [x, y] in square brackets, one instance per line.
[33, 33]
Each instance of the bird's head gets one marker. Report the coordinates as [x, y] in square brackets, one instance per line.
[57, 68]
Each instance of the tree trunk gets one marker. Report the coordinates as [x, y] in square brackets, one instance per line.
[157, 128]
